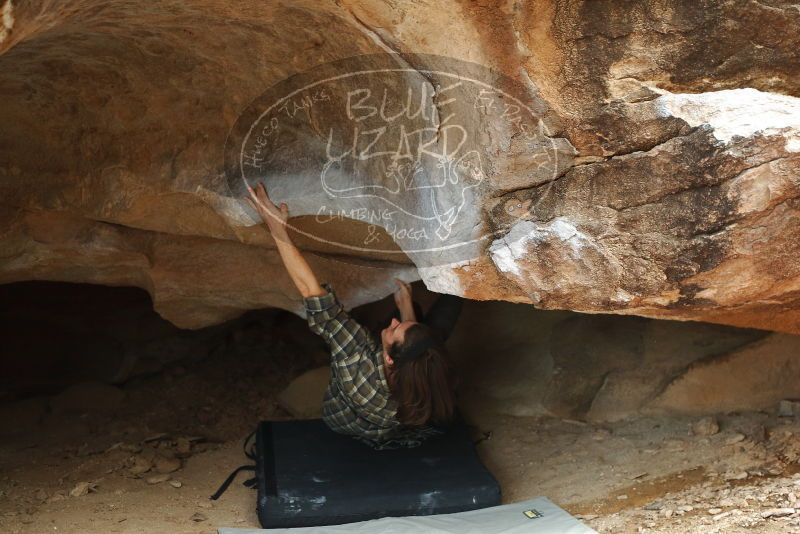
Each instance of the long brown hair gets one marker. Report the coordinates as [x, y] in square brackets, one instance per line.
[422, 380]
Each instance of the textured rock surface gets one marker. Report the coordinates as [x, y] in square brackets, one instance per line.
[520, 361]
[748, 378]
[676, 193]
[303, 397]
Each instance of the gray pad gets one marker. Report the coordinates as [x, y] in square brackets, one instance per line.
[537, 516]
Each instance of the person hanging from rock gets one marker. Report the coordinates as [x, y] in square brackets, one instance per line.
[389, 392]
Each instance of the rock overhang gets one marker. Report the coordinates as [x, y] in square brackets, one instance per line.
[676, 196]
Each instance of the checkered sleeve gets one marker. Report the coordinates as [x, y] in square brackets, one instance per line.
[327, 318]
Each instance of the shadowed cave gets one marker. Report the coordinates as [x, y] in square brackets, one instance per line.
[553, 399]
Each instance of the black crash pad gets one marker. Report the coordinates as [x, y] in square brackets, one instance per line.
[308, 475]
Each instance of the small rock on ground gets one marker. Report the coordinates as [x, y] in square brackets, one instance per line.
[707, 426]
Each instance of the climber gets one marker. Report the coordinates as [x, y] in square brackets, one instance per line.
[388, 392]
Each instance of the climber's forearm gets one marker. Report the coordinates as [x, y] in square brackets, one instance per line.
[298, 268]
[275, 218]
[407, 311]
[404, 301]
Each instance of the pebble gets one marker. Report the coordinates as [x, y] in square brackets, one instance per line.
[777, 512]
[721, 516]
[175, 483]
[60, 495]
[735, 438]
[163, 464]
[707, 426]
[714, 511]
[622, 497]
[775, 470]
[198, 517]
[80, 489]
[158, 479]
[140, 465]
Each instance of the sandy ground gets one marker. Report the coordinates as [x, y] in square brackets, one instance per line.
[99, 473]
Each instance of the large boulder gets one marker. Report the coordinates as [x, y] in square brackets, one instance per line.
[635, 158]
[517, 360]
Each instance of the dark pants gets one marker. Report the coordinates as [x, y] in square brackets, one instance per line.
[441, 317]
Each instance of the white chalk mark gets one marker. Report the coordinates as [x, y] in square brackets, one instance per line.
[736, 112]
[508, 252]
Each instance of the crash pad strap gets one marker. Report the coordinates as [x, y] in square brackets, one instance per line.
[249, 483]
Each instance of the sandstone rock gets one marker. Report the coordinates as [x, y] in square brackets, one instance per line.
[139, 465]
[721, 515]
[158, 479]
[707, 426]
[82, 488]
[87, 397]
[302, 398]
[198, 517]
[585, 349]
[660, 177]
[516, 360]
[163, 464]
[756, 376]
[777, 512]
[59, 495]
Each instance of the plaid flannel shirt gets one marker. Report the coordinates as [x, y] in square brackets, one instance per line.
[357, 401]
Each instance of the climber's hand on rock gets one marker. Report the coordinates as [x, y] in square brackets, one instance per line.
[274, 217]
[402, 295]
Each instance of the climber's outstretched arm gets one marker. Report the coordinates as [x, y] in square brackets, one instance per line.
[275, 218]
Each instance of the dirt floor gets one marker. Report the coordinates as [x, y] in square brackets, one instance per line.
[149, 462]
